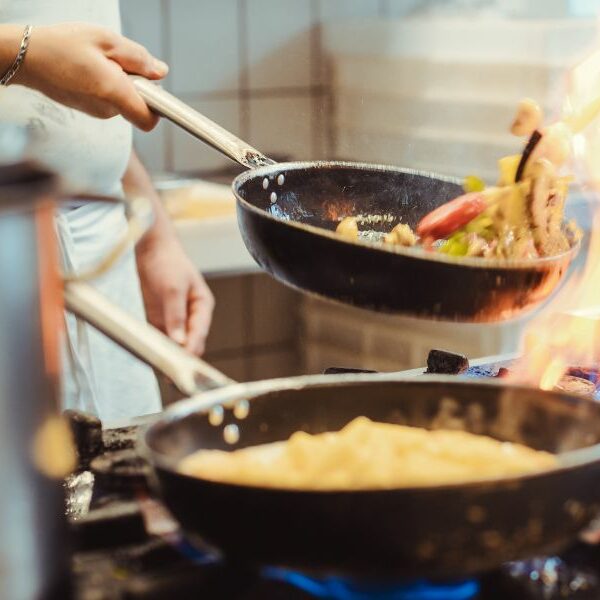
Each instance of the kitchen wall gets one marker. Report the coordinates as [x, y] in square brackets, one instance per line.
[261, 69]
[258, 68]
[275, 73]
[254, 66]
[254, 334]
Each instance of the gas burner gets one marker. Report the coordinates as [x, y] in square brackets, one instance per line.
[111, 525]
[87, 435]
[120, 471]
[576, 385]
[125, 551]
[122, 438]
[338, 588]
[442, 362]
[589, 374]
[554, 578]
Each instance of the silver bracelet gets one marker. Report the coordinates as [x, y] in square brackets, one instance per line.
[12, 71]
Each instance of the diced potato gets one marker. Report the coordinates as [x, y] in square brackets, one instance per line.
[348, 228]
[402, 235]
[368, 455]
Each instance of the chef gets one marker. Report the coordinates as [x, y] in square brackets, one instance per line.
[63, 66]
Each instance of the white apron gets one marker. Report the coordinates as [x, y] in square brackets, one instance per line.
[99, 377]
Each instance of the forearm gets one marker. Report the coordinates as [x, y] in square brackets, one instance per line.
[137, 182]
[176, 297]
[10, 40]
[84, 67]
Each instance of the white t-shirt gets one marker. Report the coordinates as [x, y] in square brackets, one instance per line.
[92, 154]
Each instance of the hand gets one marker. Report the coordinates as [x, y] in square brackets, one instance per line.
[176, 297]
[85, 67]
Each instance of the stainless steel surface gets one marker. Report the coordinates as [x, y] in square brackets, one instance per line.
[33, 556]
[189, 374]
[170, 107]
[477, 362]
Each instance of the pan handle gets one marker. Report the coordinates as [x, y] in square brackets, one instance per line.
[189, 374]
[166, 105]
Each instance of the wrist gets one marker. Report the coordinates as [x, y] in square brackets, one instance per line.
[10, 41]
[157, 236]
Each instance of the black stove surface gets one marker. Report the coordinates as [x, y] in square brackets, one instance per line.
[155, 570]
[127, 548]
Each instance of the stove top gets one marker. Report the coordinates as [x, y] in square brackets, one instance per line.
[127, 547]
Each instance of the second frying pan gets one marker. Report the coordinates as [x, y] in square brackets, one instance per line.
[288, 213]
[439, 531]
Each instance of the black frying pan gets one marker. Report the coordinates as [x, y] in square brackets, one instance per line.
[439, 531]
[443, 531]
[288, 212]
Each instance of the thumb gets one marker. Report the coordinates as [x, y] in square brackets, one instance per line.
[175, 317]
[135, 59]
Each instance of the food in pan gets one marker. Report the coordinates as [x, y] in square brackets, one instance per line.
[348, 228]
[368, 455]
[522, 217]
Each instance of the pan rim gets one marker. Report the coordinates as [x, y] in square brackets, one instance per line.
[412, 253]
[202, 403]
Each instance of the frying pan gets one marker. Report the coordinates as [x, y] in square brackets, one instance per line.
[288, 212]
[441, 531]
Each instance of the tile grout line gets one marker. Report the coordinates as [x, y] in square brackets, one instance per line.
[248, 351]
[248, 284]
[165, 10]
[274, 92]
[244, 71]
[316, 74]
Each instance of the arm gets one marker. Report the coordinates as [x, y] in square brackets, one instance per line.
[176, 297]
[10, 38]
[85, 67]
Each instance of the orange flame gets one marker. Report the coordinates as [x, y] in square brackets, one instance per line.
[566, 333]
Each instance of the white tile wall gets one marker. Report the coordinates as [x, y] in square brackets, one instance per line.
[322, 146]
[279, 42]
[282, 126]
[335, 335]
[142, 22]
[152, 147]
[275, 312]
[261, 68]
[584, 8]
[335, 10]
[205, 49]
[428, 151]
[190, 154]
[230, 318]
[266, 365]
[401, 8]
[236, 368]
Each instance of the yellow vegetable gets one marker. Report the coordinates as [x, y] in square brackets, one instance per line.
[472, 183]
[508, 169]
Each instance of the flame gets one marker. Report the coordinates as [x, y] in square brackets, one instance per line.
[566, 333]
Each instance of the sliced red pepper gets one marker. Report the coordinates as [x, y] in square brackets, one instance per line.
[453, 215]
